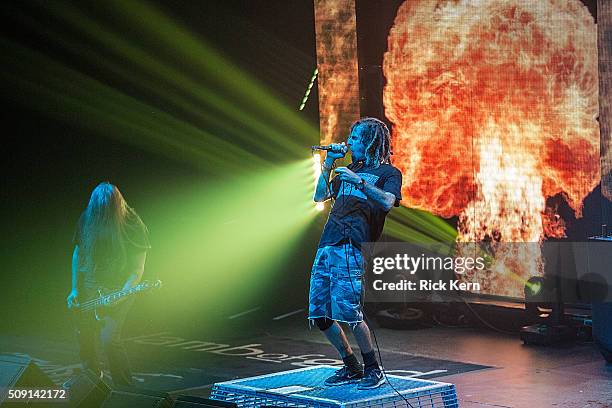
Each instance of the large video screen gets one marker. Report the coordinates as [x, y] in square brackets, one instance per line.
[493, 107]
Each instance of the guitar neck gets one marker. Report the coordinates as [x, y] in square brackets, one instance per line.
[110, 298]
[121, 293]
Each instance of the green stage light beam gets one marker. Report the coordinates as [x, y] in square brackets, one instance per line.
[140, 79]
[71, 96]
[427, 223]
[202, 56]
[149, 61]
[226, 242]
[411, 236]
[404, 233]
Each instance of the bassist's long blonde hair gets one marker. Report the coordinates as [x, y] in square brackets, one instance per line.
[104, 233]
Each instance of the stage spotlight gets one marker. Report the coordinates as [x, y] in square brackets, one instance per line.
[316, 168]
[533, 287]
[316, 165]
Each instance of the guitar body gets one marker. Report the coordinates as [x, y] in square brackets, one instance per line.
[100, 311]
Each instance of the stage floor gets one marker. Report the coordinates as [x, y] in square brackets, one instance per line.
[489, 369]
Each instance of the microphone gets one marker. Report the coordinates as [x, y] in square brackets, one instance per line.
[336, 149]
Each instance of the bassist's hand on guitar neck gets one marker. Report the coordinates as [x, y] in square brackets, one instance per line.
[73, 299]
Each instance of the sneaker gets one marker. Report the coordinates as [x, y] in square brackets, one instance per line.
[343, 376]
[373, 378]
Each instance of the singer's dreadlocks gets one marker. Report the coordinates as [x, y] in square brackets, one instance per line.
[375, 135]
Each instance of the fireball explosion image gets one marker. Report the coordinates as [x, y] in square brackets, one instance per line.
[494, 108]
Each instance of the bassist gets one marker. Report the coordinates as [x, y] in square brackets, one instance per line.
[110, 247]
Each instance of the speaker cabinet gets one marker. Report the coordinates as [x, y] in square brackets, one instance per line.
[136, 398]
[602, 328]
[21, 372]
[184, 401]
[86, 389]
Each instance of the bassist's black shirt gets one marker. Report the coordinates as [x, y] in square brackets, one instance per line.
[110, 269]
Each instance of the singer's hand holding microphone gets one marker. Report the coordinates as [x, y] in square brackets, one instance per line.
[334, 151]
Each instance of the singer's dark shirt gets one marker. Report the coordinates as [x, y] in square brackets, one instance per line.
[354, 217]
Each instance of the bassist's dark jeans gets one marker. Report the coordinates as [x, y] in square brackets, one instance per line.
[107, 332]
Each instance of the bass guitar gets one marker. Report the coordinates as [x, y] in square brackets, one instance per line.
[108, 299]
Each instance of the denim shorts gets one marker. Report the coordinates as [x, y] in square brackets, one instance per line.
[336, 284]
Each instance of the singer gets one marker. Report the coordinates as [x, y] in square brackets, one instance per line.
[364, 192]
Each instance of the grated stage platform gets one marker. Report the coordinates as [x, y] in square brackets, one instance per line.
[304, 388]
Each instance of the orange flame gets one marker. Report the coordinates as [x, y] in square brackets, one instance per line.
[493, 105]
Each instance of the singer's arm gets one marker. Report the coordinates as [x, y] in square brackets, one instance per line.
[323, 189]
[383, 198]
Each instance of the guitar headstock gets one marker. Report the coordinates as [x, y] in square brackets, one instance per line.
[144, 285]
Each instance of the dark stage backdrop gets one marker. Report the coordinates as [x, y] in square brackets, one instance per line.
[51, 165]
